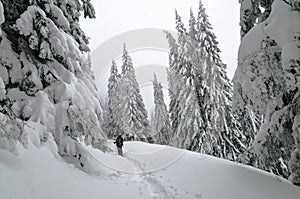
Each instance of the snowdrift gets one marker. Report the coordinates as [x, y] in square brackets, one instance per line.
[145, 171]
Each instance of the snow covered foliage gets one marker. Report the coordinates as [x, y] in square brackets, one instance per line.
[88, 8]
[11, 128]
[160, 119]
[294, 163]
[47, 74]
[253, 11]
[267, 82]
[200, 92]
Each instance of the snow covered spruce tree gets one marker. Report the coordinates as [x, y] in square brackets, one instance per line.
[202, 91]
[217, 93]
[134, 119]
[188, 112]
[174, 82]
[112, 113]
[160, 120]
[267, 82]
[46, 77]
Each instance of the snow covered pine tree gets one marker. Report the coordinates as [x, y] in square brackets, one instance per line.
[46, 78]
[200, 92]
[267, 81]
[112, 117]
[161, 122]
[133, 113]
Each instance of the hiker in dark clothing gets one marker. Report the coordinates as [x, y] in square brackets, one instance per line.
[119, 143]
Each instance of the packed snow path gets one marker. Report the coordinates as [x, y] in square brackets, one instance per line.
[137, 161]
[139, 165]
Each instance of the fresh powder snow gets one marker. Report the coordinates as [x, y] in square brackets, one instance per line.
[145, 171]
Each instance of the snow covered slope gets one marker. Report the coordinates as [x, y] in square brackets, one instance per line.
[146, 171]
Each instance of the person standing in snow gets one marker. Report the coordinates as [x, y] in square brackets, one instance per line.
[119, 143]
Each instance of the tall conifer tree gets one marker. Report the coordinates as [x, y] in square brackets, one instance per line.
[204, 94]
[112, 117]
[161, 123]
[133, 112]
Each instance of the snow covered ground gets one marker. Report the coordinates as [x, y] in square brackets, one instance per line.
[146, 171]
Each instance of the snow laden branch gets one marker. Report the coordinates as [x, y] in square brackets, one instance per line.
[47, 77]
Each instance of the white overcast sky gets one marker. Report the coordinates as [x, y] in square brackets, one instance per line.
[118, 16]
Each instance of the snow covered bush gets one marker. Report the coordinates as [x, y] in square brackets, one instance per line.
[46, 72]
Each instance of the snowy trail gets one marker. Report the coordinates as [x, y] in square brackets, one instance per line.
[151, 186]
[141, 167]
[138, 163]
